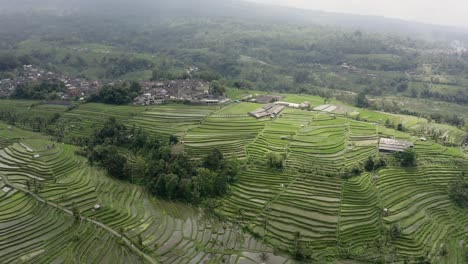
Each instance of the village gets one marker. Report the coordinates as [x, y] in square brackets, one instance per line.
[154, 92]
[191, 91]
[75, 87]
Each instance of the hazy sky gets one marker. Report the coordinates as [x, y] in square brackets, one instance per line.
[443, 12]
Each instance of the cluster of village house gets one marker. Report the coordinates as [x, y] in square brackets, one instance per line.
[75, 87]
[193, 91]
[274, 109]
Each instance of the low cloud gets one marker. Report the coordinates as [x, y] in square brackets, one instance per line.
[447, 12]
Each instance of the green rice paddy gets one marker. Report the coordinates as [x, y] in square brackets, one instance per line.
[332, 214]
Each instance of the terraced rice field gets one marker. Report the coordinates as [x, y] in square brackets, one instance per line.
[328, 211]
[172, 119]
[422, 209]
[277, 134]
[229, 130]
[36, 228]
[307, 196]
[157, 120]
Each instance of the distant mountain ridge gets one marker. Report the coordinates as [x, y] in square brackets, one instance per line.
[163, 9]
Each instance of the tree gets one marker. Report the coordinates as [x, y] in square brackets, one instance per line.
[108, 157]
[8, 62]
[402, 87]
[217, 89]
[394, 231]
[118, 94]
[458, 192]
[300, 253]
[400, 127]
[42, 90]
[173, 139]
[165, 174]
[361, 100]
[159, 74]
[207, 182]
[407, 158]
[231, 169]
[264, 257]
[36, 185]
[243, 84]
[221, 184]
[374, 163]
[186, 189]
[172, 182]
[389, 123]
[443, 252]
[214, 160]
[301, 76]
[369, 165]
[76, 212]
[275, 160]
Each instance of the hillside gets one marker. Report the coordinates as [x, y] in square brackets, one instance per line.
[155, 131]
[393, 70]
[238, 9]
[308, 202]
[42, 189]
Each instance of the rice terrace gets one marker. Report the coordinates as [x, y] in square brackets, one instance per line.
[233, 132]
[268, 211]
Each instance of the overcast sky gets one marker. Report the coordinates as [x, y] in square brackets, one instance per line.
[442, 12]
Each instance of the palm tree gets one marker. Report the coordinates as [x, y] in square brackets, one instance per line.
[264, 257]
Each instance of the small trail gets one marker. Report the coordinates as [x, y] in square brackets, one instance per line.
[272, 201]
[129, 243]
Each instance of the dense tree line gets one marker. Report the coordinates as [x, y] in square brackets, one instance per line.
[165, 174]
[118, 66]
[281, 57]
[8, 62]
[29, 120]
[43, 90]
[118, 94]
[362, 100]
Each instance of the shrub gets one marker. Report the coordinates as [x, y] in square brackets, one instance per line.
[407, 158]
[374, 163]
[275, 160]
[394, 231]
[118, 94]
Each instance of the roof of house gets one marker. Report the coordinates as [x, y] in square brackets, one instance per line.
[267, 110]
[390, 144]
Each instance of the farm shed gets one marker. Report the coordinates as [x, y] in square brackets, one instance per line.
[303, 105]
[259, 113]
[267, 110]
[393, 145]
